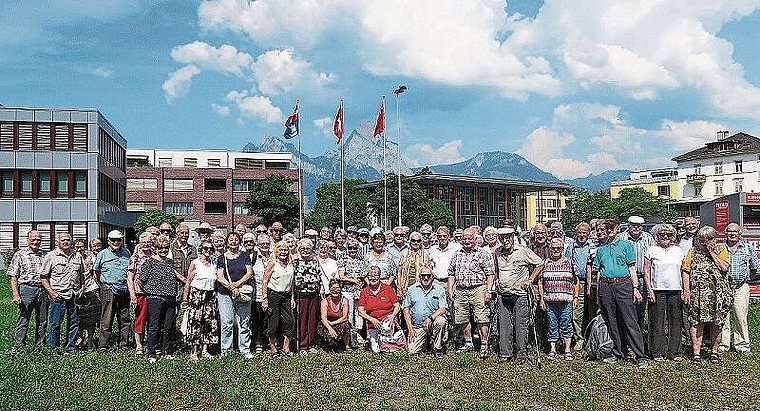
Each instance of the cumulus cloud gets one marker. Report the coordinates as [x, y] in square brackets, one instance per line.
[255, 106]
[179, 82]
[418, 155]
[278, 71]
[688, 135]
[223, 111]
[324, 124]
[544, 147]
[224, 59]
[101, 71]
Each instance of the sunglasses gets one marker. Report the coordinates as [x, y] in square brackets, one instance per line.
[555, 248]
[162, 248]
[415, 241]
[426, 276]
[352, 248]
[261, 231]
[207, 248]
[166, 230]
[249, 242]
[115, 240]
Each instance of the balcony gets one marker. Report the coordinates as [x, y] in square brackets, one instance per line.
[696, 179]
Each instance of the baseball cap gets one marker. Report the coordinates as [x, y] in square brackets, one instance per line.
[634, 219]
[115, 234]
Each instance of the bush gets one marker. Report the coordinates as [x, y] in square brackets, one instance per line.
[8, 256]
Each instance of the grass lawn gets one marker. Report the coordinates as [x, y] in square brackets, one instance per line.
[33, 379]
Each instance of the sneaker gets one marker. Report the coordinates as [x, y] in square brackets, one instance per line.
[679, 358]
[505, 359]
[207, 354]
[248, 356]
[193, 357]
[610, 360]
[484, 353]
[642, 363]
[139, 351]
[714, 358]
[438, 353]
[659, 359]
[465, 348]
[696, 359]
[520, 360]
[312, 350]
[168, 357]
[568, 356]
[303, 352]
[259, 349]
[152, 360]
[551, 356]
[744, 352]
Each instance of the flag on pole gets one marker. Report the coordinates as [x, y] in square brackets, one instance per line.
[338, 126]
[291, 124]
[380, 123]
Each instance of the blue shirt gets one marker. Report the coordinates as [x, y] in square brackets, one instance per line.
[579, 253]
[743, 260]
[112, 266]
[422, 304]
[612, 259]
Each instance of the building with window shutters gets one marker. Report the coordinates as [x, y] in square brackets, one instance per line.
[60, 170]
[207, 186]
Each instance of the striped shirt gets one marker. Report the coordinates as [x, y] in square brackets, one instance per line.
[743, 259]
[471, 269]
[640, 246]
[26, 265]
[558, 279]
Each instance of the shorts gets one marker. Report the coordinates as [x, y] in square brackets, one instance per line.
[141, 314]
[471, 299]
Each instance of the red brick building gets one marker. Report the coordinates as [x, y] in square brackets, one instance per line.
[200, 186]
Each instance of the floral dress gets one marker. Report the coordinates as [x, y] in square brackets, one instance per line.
[711, 290]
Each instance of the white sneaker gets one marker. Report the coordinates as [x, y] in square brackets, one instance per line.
[152, 360]
[248, 356]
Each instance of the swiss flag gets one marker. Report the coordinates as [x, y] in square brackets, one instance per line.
[380, 123]
[338, 126]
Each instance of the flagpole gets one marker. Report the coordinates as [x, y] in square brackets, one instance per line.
[300, 188]
[383, 174]
[402, 88]
[342, 188]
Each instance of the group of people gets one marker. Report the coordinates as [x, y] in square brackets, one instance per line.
[424, 290]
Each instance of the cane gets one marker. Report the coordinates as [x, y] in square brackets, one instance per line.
[297, 311]
[531, 300]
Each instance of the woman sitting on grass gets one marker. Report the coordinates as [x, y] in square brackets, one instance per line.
[708, 290]
[200, 301]
[333, 327]
[159, 282]
[377, 303]
[558, 289]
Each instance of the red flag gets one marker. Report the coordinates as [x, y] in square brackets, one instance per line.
[380, 123]
[338, 126]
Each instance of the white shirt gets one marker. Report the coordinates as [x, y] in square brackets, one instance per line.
[666, 267]
[205, 276]
[330, 269]
[440, 259]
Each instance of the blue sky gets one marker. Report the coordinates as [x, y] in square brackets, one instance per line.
[575, 87]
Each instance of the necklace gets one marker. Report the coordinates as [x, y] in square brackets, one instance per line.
[332, 306]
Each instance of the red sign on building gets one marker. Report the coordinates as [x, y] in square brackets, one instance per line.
[721, 216]
[753, 198]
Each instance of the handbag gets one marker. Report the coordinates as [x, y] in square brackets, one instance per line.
[391, 335]
[245, 292]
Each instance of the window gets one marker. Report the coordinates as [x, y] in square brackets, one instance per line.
[63, 184]
[178, 208]
[214, 162]
[7, 181]
[239, 209]
[141, 205]
[719, 188]
[26, 184]
[80, 184]
[142, 184]
[718, 168]
[738, 185]
[215, 207]
[242, 185]
[663, 191]
[171, 184]
[738, 166]
[211, 184]
[191, 162]
[277, 165]
[164, 162]
[43, 184]
[78, 137]
[25, 136]
[6, 136]
[249, 163]
[697, 168]
[43, 137]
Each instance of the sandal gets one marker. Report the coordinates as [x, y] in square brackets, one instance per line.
[551, 356]
[568, 356]
[696, 359]
[714, 358]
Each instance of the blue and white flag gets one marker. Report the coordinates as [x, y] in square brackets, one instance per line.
[291, 124]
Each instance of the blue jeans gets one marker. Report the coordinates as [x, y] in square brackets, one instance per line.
[34, 300]
[57, 311]
[230, 313]
[560, 316]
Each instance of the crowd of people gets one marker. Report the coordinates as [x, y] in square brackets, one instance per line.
[426, 291]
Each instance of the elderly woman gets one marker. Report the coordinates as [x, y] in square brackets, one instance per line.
[233, 271]
[258, 314]
[410, 264]
[377, 303]
[351, 273]
[143, 251]
[707, 290]
[662, 279]
[199, 299]
[159, 283]
[333, 325]
[308, 274]
[219, 243]
[292, 243]
[381, 259]
[88, 304]
[326, 258]
[340, 237]
[277, 298]
[558, 295]
[491, 238]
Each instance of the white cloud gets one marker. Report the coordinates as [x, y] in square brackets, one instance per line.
[278, 71]
[101, 71]
[179, 82]
[688, 135]
[544, 148]
[224, 59]
[418, 155]
[325, 124]
[255, 106]
[223, 111]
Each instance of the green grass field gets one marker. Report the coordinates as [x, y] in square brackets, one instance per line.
[32, 378]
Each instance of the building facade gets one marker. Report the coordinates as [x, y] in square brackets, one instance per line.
[545, 206]
[62, 170]
[660, 182]
[200, 186]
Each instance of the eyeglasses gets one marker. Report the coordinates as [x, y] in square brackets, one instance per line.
[555, 248]
[352, 248]
[207, 248]
[398, 235]
[426, 275]
[115, 240]
[166, 230]
[442, 235]
[666, 235]
[415, 241]
[249, 242]
[732, 232]
[162, 248]
[261, 231]
[304, 250]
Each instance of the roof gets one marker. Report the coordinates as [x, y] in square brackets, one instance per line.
[481, 181]
[739, 143]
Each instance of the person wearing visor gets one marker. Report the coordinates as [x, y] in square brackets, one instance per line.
[111, 273]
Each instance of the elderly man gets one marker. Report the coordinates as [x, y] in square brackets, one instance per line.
[578, 252]
[61, 276]
[110, 268]
[426, 230]
[411, 263]
[441, 254]
[641, 241]
[364, 245]
[276, 232]
[618, 291]
[26, 288]
[204, 231]
[183, 253]
[470, 280]
[166, 229]
[399, 245]
[425, 309]
[691, 226]
[517, 267]
[743, 267]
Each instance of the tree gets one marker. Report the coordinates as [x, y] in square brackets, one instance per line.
[326, 212]
[416, 209]
[272, 200]
[156, 218]
[632, 201]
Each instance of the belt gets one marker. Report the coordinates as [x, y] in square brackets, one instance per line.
[471, 287]
[615, 280]
[442, 280]
[38, 285]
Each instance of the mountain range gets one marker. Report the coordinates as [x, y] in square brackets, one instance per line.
[364, 159]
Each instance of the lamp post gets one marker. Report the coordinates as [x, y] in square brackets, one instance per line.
[397, 92]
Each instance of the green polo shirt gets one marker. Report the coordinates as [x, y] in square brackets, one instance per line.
[612, 259]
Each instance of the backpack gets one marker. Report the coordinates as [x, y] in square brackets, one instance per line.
[598, 343]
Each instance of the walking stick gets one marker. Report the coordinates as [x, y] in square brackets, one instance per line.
[297, 312]
[531, 300]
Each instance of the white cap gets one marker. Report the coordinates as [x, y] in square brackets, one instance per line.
[634, 219]
[115, 234]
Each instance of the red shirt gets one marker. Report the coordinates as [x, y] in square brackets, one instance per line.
[380, 305]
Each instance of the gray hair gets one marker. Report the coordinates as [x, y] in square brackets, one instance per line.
[557, 241]
[663, 228]
[306, 241]
[707, 233]
[352, 242]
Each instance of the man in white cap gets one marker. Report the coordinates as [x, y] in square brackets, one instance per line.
[641, 241]
[204, 234]
[110, 268]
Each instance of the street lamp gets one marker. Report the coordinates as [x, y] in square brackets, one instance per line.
[402, 88]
